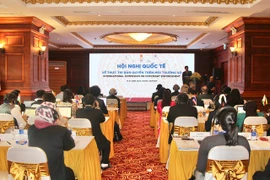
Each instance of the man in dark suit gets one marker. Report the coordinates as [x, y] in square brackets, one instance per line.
[182, 108]
[185, 75]
[96, 117]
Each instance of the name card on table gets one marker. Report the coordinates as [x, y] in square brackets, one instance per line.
[199, 135]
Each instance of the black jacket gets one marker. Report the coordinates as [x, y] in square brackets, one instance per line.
[180, 110]
[96, 117]
[102, 106]
[54, 140]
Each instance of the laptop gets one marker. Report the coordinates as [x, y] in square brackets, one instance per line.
[30, 111]
[65, 111]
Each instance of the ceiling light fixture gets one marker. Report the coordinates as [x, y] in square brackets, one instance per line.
[139, 36]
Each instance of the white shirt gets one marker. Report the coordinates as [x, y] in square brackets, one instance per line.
[18, 116]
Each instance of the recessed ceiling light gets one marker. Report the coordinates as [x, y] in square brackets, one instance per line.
[173, 15]
[56, 68]
[99, 15]
[213, 43]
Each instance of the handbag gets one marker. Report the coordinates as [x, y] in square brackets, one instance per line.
[117, 134]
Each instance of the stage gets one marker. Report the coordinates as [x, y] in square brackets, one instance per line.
[138, 104]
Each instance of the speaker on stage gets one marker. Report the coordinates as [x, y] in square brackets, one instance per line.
[217, 73]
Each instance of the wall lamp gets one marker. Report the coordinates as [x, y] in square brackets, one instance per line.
[42, 50]
[2, 49]
[233, 50]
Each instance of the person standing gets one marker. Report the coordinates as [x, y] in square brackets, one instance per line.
[211, 85]
[185, 75]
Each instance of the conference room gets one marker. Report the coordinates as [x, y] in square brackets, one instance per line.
[132, 46]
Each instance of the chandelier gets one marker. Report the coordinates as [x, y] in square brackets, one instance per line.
[139, 36]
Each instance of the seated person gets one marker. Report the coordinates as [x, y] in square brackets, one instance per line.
[67, 101]
[39, 99]
[175, 90]
[95, 91]
[61, 94]
[112, 95]
[50, 134]
[9, 107]
[228, 135]
[182, 108]
[155, 95]
[235, 98]
[17, 100]
[203, 95]
[96, 117]
[251, 110]
[166, 101]
[208, 123]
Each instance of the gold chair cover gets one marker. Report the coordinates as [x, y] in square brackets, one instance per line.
[20, 171]
[260, 128]
[227, 170]
[5, 125]
[83, 131]
[164, 114]
[184, 131]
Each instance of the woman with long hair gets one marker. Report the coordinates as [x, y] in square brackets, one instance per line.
[166, 101]
[225, 119]
[67, 101]
[235, 98]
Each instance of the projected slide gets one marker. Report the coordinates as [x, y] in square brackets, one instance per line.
[135, 74]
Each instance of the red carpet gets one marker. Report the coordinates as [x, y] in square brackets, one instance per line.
[136, 154]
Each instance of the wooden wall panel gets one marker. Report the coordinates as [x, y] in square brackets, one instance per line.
[35, 68]
[58, 75]
[219, 59]
[258, 75]
[14, 67]
[44, 69]
[15, 41]
[260, 41]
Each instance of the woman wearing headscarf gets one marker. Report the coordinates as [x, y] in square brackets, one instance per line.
[50, 134]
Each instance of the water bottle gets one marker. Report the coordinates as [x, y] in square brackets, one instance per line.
[21, 139]
[21, 129]
[253, 133]
[216, 129]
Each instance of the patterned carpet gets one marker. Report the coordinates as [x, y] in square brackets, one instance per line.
[136, 156]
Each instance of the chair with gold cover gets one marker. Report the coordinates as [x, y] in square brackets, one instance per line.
[165, 111]
[183, 125]
[227, 162]
[6, 122]
[259, 122]
[82, 126]
[27, 163]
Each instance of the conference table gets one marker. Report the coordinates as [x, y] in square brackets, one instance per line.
[164, 136]
[83, 159]
[182, 162]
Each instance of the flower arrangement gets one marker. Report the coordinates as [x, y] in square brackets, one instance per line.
[195, 76]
